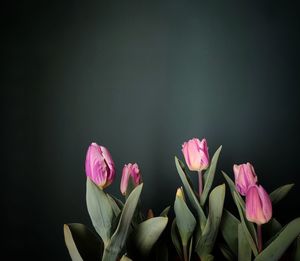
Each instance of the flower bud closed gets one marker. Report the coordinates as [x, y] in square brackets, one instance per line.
[130, 171]
[245, 177]
[99, 166]
[196, 154]
[258, 205]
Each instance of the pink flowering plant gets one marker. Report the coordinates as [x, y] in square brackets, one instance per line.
[201, 229]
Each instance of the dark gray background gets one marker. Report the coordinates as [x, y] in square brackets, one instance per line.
[140, 77]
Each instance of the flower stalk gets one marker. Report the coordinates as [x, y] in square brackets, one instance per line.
[259, 238]
[200, 183]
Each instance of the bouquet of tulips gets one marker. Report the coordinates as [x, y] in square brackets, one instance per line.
[201, 229]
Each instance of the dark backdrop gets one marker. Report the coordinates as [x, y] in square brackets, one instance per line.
[140, 78]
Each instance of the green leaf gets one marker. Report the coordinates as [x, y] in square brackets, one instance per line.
[271, 229]
[232, 189]
[82, 243]
[191, 194]
[216, 202]
[184, 219]
[244, 252]
[244, 225]
[115, 207]
[227, 253]
[73, 251]
[229, 230]
[240, 202]
[100, 210]
[165, 212]
[279, 193]
[118, 239]
[296, 250]
[147, 233]
[190, 248]
[207, 258]
[210, 176]
[175, 238]
[118, 202]
[125, 258]
[286, 237]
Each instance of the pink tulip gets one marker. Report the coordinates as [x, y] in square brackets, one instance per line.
[99, 166]
[258, 205]
[130, 171]
[196, 154]
[245, 177]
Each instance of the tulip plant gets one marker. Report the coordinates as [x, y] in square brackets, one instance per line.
[123, 232]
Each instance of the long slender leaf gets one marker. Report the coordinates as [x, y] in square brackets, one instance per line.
[279, 193]
[176, 238]
[207, 258]
[227, 253]
[229, 230]
[296, 251]
[100, 210]
[82, 243]
[147, 233]
[165, 212]
[210, 176]
[115, 207]
[205, 245]
[277, 248]
[191, 194]
[118, 239]
[271, 229]
[246, 231]
[73, 251]
[244, 252]
[239, 201]
[190, 248]
[184, 219]
[125, 258]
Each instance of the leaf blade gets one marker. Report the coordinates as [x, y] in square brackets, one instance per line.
[279, 193]
[191, 194]
[100, 210]
[277, 248]
[147, 233]
[118, 239]
[210, 176]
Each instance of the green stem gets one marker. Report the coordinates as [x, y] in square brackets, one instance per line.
[200, 183]
[259, 238]
[185, 253]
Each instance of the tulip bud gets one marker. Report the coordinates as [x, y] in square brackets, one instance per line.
[150, 213]
[179, 193]
[99, 166]
[245, 177]
[196, 154]
[258, 205]
[130, 171]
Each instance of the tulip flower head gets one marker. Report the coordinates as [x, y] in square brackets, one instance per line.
[196, 154]
[131, 173]
[258, 205]
[245, 177]
[99, 166]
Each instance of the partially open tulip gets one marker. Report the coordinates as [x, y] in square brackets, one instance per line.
[258, 205]
[245, 177]
[130, 172]
[196, 154]
[99, 166]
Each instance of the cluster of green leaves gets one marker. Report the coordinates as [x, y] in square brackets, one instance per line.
[241, 238]
[197, 234]
[121, 232]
